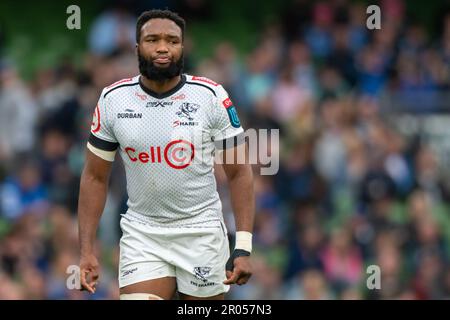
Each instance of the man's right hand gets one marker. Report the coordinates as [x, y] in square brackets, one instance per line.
[89, 272]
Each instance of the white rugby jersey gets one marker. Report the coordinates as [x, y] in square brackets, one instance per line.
[167, 143]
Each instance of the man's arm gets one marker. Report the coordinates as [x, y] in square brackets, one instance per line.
[93, 191]
[240, 180]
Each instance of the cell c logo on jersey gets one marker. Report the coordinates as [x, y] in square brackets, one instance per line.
[95, 126]
[177, 154]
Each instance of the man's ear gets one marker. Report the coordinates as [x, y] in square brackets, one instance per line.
[136, 48]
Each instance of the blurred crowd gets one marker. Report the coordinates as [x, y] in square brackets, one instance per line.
[352, 191]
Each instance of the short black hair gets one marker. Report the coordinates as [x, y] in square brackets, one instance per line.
[159, 14]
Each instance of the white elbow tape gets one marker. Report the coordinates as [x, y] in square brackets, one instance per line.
[243, 241]
[105, 155]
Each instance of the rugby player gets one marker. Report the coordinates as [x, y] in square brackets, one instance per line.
[168, 126]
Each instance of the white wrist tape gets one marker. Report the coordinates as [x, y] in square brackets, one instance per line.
[243, 241]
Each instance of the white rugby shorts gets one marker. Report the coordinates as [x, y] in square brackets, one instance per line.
[196, 257]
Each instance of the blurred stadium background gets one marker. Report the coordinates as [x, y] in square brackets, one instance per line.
[365, 139]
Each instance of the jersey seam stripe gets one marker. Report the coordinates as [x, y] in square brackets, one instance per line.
[122, 85]
[202, 85]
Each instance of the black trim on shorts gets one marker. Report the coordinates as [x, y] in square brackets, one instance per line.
[102, 144]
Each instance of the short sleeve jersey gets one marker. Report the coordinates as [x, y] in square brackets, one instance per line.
[167, 143]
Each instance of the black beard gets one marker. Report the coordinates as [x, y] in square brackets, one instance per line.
[150, 71]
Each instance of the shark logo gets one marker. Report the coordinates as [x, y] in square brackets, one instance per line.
[202, 272]
[187, 109]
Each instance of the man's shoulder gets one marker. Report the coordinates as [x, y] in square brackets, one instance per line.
[212, 86]
[123, 83]
[202, 80]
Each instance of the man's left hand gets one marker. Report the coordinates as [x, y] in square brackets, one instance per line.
[241, 272]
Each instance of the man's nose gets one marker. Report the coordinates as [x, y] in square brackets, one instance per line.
[162, 47]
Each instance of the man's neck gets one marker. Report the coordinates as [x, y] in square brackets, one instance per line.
[160, 86]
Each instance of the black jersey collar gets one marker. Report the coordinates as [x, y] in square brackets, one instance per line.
[166, 94]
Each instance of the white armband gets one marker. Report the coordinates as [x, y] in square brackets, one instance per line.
[105, 155]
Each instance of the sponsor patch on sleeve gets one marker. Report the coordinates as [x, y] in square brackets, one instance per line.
[232, 113]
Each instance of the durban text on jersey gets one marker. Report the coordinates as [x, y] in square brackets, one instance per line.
[129, 115]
